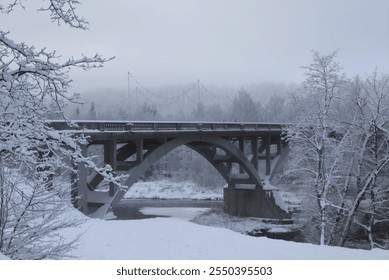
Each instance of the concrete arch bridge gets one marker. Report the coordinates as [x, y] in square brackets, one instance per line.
[247, 155]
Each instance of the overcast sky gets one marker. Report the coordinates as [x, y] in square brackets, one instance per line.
[221, 42]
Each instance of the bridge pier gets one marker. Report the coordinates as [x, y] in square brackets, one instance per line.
[252, 201]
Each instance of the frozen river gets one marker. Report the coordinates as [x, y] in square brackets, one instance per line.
[131, 209]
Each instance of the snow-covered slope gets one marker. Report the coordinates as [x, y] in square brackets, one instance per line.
[175, 238]
[169, 238]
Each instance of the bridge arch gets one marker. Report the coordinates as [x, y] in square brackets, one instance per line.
[203, 146]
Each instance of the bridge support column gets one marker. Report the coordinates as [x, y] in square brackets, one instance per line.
[79, 189]
[139, 151]
[229, 168]
[279, 145]
[267, 140]
[110, 157]
[241, 147]
[254, 151]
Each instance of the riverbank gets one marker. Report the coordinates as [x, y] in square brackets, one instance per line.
[165, 198]
[178, 239]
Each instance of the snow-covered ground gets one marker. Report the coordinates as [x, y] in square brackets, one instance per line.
[179, 238]
[174, 238]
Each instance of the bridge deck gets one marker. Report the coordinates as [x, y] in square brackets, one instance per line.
[101, 130]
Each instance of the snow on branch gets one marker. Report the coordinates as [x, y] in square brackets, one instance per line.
[65, 11]
[40, 70]
[61, 11]
[10, 6]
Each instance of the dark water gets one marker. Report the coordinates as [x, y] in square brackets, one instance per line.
[130, 209]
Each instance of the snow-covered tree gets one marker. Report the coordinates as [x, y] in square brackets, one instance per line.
[92, 111]
[368, 206]
[276, 109]
[317, 137]
[215, 113]
[33, 213]
[244, 108]
[340, 150]
[199, 112]
[34, 84]
[148, 112]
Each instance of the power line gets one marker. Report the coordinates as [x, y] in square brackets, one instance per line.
[175, 100]
[169, 100]
[129, 92]
[213, 94]
[198, 90]
[191, 100]
[149, 91]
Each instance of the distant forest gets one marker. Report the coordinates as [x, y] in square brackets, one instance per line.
[267, 102]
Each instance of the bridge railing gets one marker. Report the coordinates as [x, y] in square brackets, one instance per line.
[117, 126]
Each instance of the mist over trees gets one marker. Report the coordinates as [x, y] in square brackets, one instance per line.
[267, 102]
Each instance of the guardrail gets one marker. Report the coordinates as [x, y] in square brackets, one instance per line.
[116, 126]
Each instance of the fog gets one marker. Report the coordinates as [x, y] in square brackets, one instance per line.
[202, 61]
[162, 49]
[222, 43]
